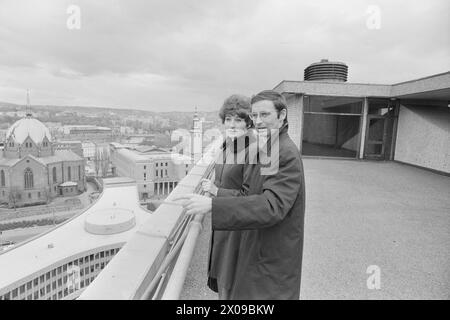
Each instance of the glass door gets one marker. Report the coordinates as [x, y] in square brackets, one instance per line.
[380, 129]
[376, 137]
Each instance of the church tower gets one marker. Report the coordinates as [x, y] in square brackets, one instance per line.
[28, 108]
[197, 140]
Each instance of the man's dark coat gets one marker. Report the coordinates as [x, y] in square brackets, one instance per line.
[270, 216]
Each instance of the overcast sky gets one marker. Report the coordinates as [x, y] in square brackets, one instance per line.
[175, 55]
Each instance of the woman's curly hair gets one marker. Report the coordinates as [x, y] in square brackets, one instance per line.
[237, 105]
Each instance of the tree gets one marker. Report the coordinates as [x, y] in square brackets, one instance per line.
[47, 195]
[105, 162]
[14, 197]
[97, 160]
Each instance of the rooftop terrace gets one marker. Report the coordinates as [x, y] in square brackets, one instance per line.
[358, 214]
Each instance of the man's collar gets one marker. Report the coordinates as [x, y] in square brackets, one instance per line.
[271, 135]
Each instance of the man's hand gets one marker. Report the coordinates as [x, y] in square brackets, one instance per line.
[195, 203]
[209, 186]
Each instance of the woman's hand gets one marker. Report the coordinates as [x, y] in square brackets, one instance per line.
[209, 186]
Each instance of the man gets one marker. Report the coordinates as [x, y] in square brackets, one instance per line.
[269, 214]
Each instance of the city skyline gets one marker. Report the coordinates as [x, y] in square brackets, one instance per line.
[177, 56]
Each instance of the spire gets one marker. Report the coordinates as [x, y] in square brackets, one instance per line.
[195, 114]
[195, 120]
[28, 110]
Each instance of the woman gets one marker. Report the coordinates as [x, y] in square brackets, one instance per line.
[228, 181]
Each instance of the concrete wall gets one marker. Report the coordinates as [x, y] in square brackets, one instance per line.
[423, 137]
[294, 116]
[345, 89]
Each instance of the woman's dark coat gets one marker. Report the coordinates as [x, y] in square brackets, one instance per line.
[223, 253]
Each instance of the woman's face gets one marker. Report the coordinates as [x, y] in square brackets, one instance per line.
[234, 126]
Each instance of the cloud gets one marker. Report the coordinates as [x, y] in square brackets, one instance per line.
[179, 54]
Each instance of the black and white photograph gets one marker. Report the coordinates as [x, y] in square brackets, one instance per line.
[224, 155]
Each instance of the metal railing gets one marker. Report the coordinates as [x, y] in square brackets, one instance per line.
[153, 264]
[172, 272]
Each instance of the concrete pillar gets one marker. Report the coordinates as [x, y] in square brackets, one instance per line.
[295, 118]
[363, 128]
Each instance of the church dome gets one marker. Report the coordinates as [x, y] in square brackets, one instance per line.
[25, 127]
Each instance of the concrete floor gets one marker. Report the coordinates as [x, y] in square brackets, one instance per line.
[322, 150]
[359, 214]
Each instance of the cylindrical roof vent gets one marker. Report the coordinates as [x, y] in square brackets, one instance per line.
[326, 71]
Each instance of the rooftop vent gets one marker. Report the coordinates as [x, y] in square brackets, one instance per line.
[326, 71]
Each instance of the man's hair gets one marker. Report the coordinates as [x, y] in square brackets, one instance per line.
[279, 102]
[237, 105]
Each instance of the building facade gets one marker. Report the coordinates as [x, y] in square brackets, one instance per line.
[75, 146]
[54, 266]
[88, 133]
[407, 122]
[155, 170]
[32, 170]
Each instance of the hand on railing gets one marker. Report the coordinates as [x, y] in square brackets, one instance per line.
[194, 203]
[209, 187]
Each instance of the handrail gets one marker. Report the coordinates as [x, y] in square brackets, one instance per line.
[176, 281]
[185, 241]
[157, 281]
[145, 264]
[191, 226]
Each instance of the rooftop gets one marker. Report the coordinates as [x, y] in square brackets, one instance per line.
[155, 154]
[435, 87]
[68, 184]
[27, 259]
[28, 126]
[358, 214]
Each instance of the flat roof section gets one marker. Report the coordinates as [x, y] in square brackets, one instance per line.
[435, 87]
[27, 260]
[360, 214]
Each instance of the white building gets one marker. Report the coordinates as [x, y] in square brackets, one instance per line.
[32, 167]
[88, 149]
[407, 122]
[155, 170]
[62, 262]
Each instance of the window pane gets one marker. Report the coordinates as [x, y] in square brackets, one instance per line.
[330, 135]
[381, 106]
[330, 104]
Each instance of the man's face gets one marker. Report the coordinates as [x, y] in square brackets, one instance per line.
[265, 116]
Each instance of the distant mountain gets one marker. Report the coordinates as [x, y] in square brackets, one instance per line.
[105, 112]
[96, 110]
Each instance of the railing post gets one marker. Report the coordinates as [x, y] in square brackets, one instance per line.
[176, 282]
